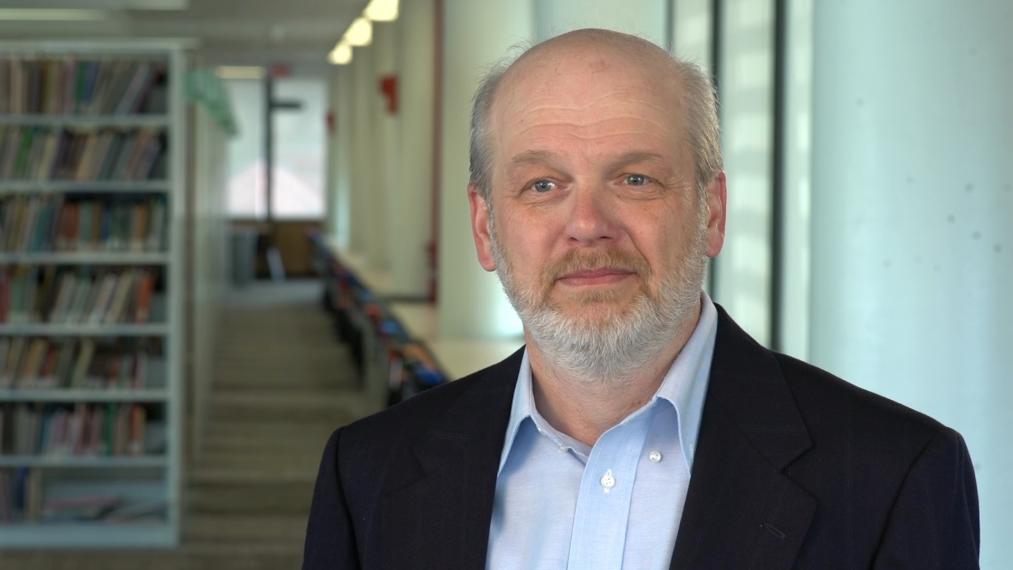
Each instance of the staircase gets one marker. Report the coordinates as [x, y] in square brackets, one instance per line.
[282, 384]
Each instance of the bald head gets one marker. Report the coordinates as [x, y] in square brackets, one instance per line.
[573, 69]
[596, 50]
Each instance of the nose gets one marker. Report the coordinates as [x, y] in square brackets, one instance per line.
[590, 218]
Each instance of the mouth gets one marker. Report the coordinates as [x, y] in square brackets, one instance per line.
[590, 277]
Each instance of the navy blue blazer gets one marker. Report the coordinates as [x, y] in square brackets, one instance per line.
[794, 468]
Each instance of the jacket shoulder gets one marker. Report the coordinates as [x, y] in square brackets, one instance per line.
[831, 405]
[404, 422]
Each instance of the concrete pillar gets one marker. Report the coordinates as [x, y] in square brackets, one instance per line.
[911, 234]
[476, 34]
[410, 271]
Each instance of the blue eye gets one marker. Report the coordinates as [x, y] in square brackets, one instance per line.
[636, 180]
[543, 186]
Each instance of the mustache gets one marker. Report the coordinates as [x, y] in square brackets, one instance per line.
[577, 260]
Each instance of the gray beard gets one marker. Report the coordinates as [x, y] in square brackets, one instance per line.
[608, 351]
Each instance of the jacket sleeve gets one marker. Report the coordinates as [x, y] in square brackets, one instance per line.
[330, 539]
[934, 521]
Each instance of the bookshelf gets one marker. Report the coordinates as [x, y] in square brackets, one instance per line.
[91, 270]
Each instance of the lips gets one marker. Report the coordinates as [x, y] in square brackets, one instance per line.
[595, 276]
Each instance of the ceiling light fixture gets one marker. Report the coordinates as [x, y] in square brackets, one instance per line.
[341, 54]
[359, 34]
[382, 10]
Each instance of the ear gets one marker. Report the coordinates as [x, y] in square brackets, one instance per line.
[480, 228]
[717, 202]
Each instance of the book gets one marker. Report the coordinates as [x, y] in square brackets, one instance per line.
[80, 154]
[79, 376]
[31, 364]
[106, 288]
[121, 430]
[145, 291]
[130, 102]
[121, 297]
[12, 359]
[5, 295]
[83, 288]
[64, 362]
[47, 374]
[5, 346]
[135, 441]
[64, 296]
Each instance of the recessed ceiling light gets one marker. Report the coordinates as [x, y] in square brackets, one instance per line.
[360, 33]
[382, 10]
[341, 54]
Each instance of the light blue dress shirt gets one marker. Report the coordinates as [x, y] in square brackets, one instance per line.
[560, 504]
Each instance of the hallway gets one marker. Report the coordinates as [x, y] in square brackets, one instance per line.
[282, 384]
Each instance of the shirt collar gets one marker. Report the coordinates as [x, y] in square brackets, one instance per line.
[684, 386]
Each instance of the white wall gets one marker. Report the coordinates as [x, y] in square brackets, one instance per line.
[472, 303]
[911, 234]
[644, 18]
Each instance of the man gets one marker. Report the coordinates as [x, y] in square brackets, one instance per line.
[639, 427]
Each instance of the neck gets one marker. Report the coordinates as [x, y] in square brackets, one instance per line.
[585, 409]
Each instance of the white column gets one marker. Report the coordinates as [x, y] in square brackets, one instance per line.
[644, 18]
[476, 34]
[691, 30]
[412, 217]
[340, 185]
[746, 90]
[363, 181]
[797, 189]
[912, 208]
[384, 160]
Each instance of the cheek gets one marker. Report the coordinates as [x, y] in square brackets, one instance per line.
[662, 235]
[527, 243]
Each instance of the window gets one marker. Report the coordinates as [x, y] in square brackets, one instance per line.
[299, 148]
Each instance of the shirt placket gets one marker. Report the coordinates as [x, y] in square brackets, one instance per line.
[601, 517]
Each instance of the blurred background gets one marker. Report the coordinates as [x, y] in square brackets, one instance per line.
[229, 226]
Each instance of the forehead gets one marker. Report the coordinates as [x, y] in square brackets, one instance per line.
[590, 98]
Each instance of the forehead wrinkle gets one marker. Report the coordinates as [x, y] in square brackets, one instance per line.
[585, 99]
[588, 132]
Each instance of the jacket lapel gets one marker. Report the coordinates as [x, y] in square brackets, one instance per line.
[438, 505]
[741, 511]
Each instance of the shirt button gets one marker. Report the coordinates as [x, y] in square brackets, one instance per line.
[608, 481]
[654, 456]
